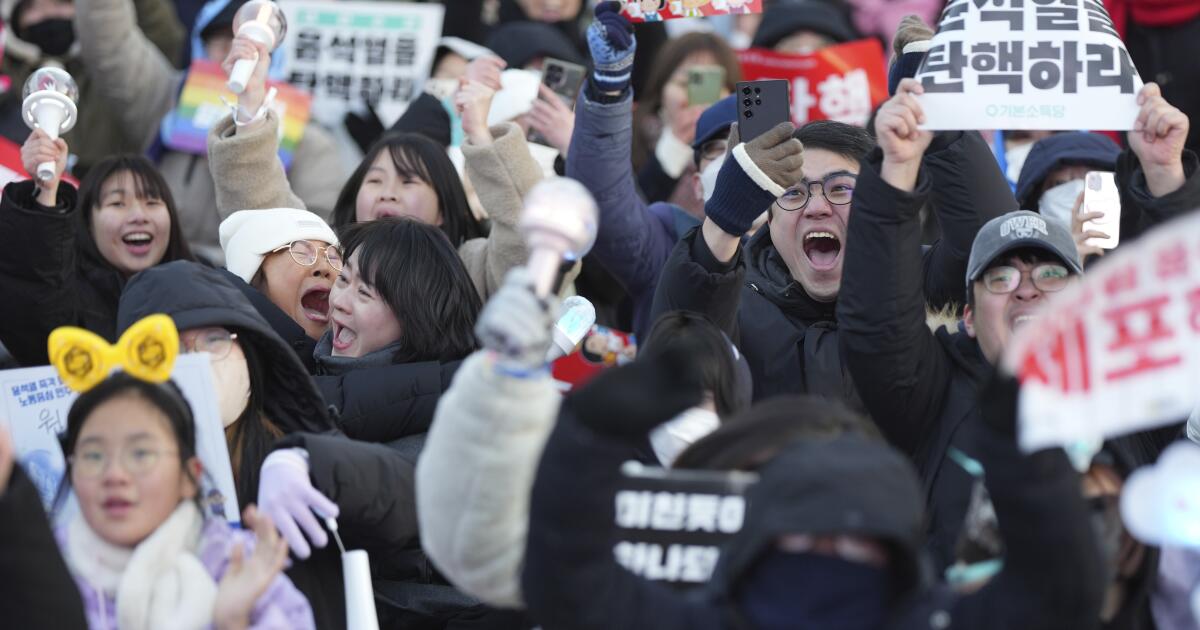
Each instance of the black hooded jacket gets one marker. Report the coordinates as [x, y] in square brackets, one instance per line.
[847, 484]
[51, 272]
[791, 340]
[921, 387]
[371, 483]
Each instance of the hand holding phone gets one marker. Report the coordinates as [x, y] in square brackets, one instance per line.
[1100, 195]
[761, 106]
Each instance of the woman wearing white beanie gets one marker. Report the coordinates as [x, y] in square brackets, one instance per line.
[288, 255]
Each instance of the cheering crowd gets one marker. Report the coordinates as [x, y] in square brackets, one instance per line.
[825, 306]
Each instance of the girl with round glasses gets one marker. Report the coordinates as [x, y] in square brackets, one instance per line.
[141, 550]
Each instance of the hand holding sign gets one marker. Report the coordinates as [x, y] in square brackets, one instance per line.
[900, 136]
[473, 100]
[1157, 139]
[8, 455]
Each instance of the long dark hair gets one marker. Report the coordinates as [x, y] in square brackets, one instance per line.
[250, 437]
[165, 397]
[416, 271]
[414, 155]
[148, 183]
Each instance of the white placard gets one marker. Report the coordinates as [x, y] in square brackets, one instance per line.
[349, 52]
[1028, 64]
[35, 405]
[1119, 351]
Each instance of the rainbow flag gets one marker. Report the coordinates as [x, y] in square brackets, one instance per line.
[199, 107]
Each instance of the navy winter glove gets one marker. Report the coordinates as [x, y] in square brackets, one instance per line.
[610, 39]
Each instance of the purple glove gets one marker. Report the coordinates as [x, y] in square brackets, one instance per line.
[617, 30]
[289, 498]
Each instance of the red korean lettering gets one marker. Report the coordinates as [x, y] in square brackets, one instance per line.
[1062, 363]
[1193, 298]
[1171, 262]
[1139, 339]
[1121, 281]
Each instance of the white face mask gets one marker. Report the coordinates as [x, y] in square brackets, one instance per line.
[671, 438]
[231, 375]
[708, 177]
[1058, 202]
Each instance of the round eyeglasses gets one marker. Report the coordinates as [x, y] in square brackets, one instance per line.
[838, 190]
[1048, 277]
[92, 461]
[215, 341]
[305, 253]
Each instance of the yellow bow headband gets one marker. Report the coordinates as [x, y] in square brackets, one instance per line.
[146, 351]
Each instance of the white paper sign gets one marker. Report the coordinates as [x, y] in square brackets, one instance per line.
[1119, 351]
[1028, 64]
[35, 406]
[346, 53]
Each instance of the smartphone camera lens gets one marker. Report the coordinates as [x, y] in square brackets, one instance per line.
[758, 101]
[745, 90]
[746, 102]
[757, 91]
[749, 114]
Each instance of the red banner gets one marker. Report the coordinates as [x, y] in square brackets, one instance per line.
[11, 169]
[658, 10]
[843, 83]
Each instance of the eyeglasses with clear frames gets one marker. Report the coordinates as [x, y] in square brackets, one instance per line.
[215, 341]
[137, 460]
[837, 189]
[305, 253]
[1048, 277]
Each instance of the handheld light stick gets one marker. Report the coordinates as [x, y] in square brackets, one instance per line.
[559, 223]
[48, 103]
[261, 21]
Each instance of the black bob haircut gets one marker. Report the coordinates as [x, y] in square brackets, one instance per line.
[848, 141]
[711, 351]
[418, 274]
[414, 155]
[166, 397]
[148, 184]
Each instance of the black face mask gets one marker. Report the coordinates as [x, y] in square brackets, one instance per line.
[54, 36]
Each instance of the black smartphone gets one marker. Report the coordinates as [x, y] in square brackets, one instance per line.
[761, 106]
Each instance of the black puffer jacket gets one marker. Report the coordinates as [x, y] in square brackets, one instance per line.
[374, 404]
[789, 339]
[51, 272]
[371, 483]
[848, 484]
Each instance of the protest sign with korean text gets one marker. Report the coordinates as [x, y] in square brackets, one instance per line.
[1028, 64]
[843, 83]
[35, 403]
[347, 53]
[658, 10]
[672, 523]
[1119, 351]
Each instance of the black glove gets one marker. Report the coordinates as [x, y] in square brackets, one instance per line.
[628, 402]
[364, 129]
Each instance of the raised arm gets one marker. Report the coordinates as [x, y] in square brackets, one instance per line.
[38, 236]
[967, 190]
[1052, 576]
[1157, 176]
[129, 70]
[897, 365]
[244, 158]
[475, 473]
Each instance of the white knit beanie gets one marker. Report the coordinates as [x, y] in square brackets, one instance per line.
[247, 236]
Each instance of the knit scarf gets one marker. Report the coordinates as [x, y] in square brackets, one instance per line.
[158, 584]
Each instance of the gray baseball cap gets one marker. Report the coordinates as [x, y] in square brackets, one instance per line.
[1017, 230]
